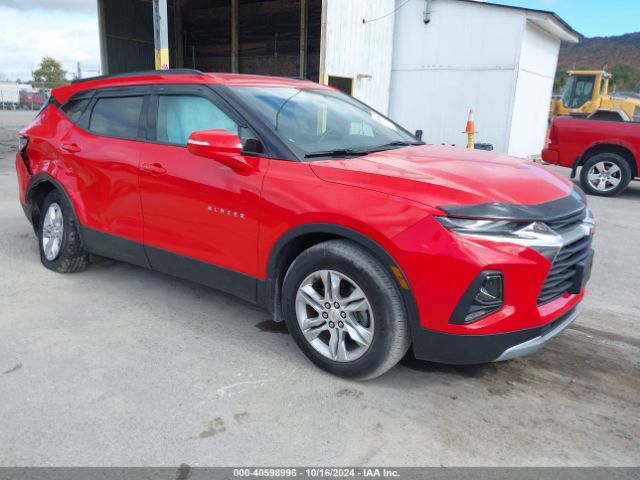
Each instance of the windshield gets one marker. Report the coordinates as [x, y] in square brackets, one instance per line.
[324, 123]
[568, 89]
[578, 91]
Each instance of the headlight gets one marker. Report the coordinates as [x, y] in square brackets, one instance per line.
[483, 227]
[535, 235]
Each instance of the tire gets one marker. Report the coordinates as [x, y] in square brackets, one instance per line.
[58, 238]
[364, 304]
[605, 174]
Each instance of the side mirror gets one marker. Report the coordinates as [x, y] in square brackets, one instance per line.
[219, 145]
[418, 134]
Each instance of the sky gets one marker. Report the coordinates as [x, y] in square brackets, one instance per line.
[67, 30]
[592, 18]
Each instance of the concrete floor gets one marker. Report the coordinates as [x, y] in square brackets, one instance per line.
[123, 366]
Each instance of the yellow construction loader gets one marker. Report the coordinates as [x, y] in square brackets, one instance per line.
[586, 94]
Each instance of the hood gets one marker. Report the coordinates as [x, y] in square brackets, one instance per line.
[441, 176]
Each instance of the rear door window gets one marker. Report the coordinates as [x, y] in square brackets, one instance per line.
[117, 117]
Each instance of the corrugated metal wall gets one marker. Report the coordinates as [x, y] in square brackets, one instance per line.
[129, 34]
[362, 50]
[269, 36]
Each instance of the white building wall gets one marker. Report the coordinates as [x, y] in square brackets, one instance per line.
[362, 51]
[466, 57]
[534, 87]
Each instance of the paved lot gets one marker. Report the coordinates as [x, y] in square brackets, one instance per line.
[123, 366]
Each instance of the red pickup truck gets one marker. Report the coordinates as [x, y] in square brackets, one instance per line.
[607, 151]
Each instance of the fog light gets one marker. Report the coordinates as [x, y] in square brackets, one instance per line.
[484, 296]
[491, 289]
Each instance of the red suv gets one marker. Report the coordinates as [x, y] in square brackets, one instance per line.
[299, 198]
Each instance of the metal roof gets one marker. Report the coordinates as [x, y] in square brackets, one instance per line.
[555, 16]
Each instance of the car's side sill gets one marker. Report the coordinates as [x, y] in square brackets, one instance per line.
[113, 246]
[237, 284]
[119, 248]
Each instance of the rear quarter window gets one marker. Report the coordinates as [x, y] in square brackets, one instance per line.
[73, 109]
[117, 117]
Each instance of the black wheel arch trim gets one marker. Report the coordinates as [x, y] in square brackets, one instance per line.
[268, 291]
[37, 180]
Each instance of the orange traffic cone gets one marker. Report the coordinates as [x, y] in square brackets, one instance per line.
[470, 130]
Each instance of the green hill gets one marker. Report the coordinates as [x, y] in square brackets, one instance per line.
[620, 55]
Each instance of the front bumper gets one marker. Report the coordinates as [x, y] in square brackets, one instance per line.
[441, 266]
[449, 348]
[545, 266]
[546, 333]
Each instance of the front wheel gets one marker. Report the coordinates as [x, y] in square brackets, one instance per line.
[345, 311]
[605, 174]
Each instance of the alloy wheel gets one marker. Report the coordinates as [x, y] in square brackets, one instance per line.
[52, 231]
[604, 176]
[334, 315]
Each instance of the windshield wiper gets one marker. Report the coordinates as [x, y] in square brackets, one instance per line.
[336, 153]
[397, 143]
[389, 146]
[361, 151]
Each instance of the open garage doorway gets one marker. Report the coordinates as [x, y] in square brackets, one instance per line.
[269, 37]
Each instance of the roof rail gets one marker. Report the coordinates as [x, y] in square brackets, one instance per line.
[173, 71]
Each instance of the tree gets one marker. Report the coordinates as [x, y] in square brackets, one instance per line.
[625, 77]
[559, 81]
[49, 73]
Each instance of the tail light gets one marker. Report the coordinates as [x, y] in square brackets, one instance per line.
[23, 141]
[553, 135]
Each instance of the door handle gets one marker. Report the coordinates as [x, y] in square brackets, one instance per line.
[154, 168]
[70, 147]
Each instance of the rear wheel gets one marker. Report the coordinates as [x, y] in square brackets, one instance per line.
[605, 174]
[58, 237]
[344, 310]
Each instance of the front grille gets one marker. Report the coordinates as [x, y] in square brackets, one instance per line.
[563, 271]
[567, 223]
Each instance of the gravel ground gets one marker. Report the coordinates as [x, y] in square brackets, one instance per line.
[123, 366]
